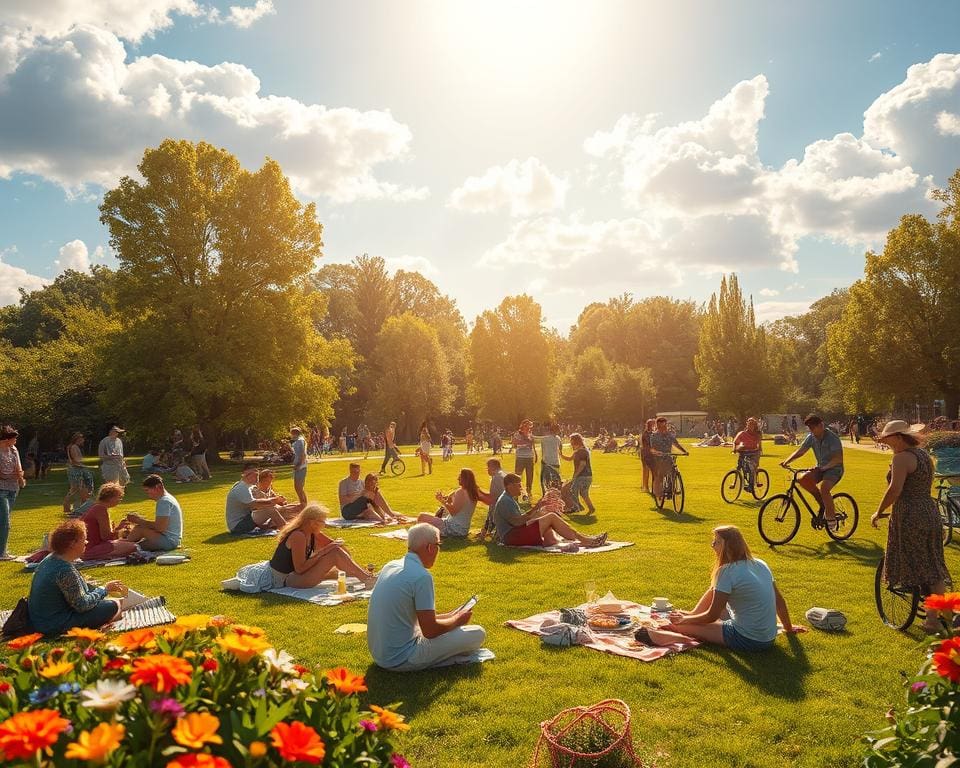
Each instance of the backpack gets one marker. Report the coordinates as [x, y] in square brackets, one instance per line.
[18, 622]
[827, 619]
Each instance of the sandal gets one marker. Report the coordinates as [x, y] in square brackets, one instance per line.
[598, 541]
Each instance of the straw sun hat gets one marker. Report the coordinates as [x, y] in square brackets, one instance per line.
[900, 427]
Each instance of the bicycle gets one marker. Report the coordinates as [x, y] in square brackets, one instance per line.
[898, 605]
[672, 486]
[949, 506]
[782, 510]
[742, 477]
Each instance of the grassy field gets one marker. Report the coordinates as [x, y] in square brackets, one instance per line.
[805, 703]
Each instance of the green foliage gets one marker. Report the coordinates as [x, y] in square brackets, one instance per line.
[733, 360]
[511, 370]
[212, 292]
[412, 379]
[592, 388]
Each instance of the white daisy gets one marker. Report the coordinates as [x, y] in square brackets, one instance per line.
[278, 661]
[108, 694]
[294, 685]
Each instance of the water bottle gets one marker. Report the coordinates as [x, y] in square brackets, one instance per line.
[341, 582]
[45, 542]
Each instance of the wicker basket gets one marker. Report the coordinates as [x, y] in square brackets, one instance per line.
[584, 737]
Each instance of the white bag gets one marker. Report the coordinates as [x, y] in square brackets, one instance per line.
[827, 619]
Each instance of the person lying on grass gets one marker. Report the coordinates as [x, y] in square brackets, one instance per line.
[458, 507]
[362, 499]
[305, 555]
[536, 528]
[740, 609]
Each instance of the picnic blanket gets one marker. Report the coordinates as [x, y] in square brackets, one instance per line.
[145, 557]
[258, 578]
[256, 533]
[400, 534]
[617, 643]
[149, 613]
[339, 522]
[557, 549]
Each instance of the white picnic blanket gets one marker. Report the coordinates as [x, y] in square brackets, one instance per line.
[400, 534]
[258, 577]
[339, 522]
[558, 548]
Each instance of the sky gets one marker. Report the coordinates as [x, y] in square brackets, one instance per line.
[573, 151]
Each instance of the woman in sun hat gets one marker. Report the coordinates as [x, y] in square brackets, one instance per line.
[914, 554]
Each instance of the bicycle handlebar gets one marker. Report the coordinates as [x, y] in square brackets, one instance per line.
[798, 471]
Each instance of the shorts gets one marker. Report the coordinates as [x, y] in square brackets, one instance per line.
[244, 526]
[451, 530]
[78, 476]
[833, 474]
[354, 509]
[647, 460]
[523, 464]
[279, 579]
[736, 641]
[524, 536]
[299, 475]
[164, 543]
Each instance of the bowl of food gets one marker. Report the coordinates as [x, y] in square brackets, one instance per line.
[610, 607]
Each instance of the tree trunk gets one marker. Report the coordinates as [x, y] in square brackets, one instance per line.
[212, 436]
[951, 402]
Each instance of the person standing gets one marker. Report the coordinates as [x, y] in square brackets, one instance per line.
[110, 451]
[299, 446]
[646, 452]
[363, 438]
[550, 446]
[33, 449]
[426, 461]
[389, 445]
[582, 473]
[12, 480]
[198, 453]
[526, 453]
[77, 474]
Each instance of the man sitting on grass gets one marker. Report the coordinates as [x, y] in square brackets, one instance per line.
[264, 490]
[491, 497]
[536, 528]
[165, 531]
[245, 512]
[362, 500]
[404, 631]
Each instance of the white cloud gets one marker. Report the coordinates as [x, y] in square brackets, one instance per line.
[766, 311]
[76, 113]
[875, 57]
[524, 188]
[74, 255]
[12, 279]
[408, 263]
[948, 124]
[769, 292]
[129, 20]
[243, 16]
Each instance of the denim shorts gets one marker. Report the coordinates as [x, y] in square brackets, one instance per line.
[833, 474]
[738, 642]
[299, 475]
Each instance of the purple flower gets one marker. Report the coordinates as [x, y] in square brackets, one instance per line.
[368, 725]
[399, 761]
[259, 693]
[167, 707]
[918, 687]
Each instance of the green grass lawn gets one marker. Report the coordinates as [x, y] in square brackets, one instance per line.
[805, 703]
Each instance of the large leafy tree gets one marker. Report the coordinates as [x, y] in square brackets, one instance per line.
[897, 339]
[593, 388]
[511, 366]
[413, 383]
[218, 327]
[733, 360]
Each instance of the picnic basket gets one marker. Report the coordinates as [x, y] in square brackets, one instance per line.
[584, 737]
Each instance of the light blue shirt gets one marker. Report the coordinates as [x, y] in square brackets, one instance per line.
[167, 506]
[299, 447]
[403, 587]
[824, 448]
[751, 599]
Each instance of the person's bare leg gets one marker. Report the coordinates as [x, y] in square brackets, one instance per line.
[585, 495]
[268, 517]
[646, 478]
[336, 559]
[123, 547]
[301, 493]
[829, 510]
[138, 533]
[371, 513]
[808, 483]
[435, 521]
[710, 633]
[552, 522]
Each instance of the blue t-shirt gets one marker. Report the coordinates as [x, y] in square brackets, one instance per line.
[403, 587]
[751, 599]
[167, 506]
[824, 448]
[299, 447]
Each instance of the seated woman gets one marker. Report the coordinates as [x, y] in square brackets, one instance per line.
[371, 505]
[460, 506]
[305, 555]
[182, 472]
[59, 598]
[103, 542]
[740, 609]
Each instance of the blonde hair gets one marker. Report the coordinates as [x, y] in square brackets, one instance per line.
[733, 547]
[309, 514]
[109, 491]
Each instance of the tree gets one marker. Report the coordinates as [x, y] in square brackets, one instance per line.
[583, 389]
[217, 324]
[630, 395]
[897, 339]
[732, 361]
[511, 370]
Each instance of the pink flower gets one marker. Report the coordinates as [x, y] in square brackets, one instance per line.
[368, 725]
[89, 653]
[167, 707]
[399, 761]
[918, 687]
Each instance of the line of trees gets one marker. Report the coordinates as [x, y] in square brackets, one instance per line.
[218, 315]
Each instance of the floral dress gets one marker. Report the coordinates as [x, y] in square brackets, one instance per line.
[914, 556]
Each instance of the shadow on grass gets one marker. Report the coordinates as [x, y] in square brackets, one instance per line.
[779, 672]
[668, 513]
[418, 690]
[862, 550]
[229, 538]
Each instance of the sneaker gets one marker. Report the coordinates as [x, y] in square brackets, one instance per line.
[599, 541]
[833, 524]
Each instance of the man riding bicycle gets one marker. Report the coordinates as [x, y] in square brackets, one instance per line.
[661, 445]
[829, 452]
[747, 444]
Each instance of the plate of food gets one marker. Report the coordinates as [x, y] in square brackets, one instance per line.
[610, 622]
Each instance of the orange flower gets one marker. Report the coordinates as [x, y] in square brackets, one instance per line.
[193, 621]
[19, 643]
[196, 729]
[82, 633]
[172, 632]
[56, 669]
[389, 720]
[345, 681]
[257, 749]
[947, 602]
[26, 732]
[296, 741]
[161, 672]
[244, 629]
[135, 640]
[95, 745]
[243, 647]
[198, 760]
[947, 659]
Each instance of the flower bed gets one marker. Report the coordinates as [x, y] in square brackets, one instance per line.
[201, 692]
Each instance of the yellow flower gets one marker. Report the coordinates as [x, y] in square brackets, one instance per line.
[243, 647]
[196, 729]
[245, 629]
[56, 669]
[172, 632]
[193, 621]
[389, 720]
[94, 746]
[257, 749]
[82, 633]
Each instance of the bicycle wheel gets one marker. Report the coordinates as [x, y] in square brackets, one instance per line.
[678, 494]
[761, 484]
[848, 514]
[947, 519]
[661, 496]
[779, 519]
[398, 467]
[897, 606]
[731, 486]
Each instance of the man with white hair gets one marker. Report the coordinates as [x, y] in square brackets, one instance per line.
[404, 631]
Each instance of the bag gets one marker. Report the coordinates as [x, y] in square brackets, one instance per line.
[827, 619]
[18, 623]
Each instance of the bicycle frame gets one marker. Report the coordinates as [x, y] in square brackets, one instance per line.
[796, 488]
